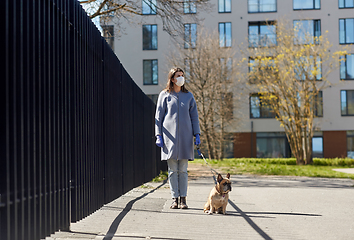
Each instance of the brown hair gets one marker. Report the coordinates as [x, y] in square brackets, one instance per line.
[171, 75]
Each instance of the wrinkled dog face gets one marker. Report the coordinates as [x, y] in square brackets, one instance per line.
[224, 184]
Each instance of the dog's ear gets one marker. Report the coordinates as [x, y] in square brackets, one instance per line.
[228, 176]
[219, 178]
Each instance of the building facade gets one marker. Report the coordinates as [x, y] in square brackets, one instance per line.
[143, 50]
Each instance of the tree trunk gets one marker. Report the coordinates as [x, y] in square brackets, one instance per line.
[309, 159]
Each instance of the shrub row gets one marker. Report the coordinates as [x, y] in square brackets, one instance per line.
[343, 162]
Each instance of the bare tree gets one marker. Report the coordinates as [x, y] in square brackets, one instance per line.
[210, 74]
[172, 13]
[289, 75]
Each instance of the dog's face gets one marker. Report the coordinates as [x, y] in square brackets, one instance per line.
[224, 184]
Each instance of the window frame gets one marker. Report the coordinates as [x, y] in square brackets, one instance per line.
[108, 35]
[258, 6]
[150, 37]
[273, 115]
[317, 135]
[314, 30]
[225, 40]
[149, 4]
[269, 137]
[224, 10]
[189, 7]
[250, 59]
[346, 104]
[190, 40]
[350, 134]
[345, 31]
[259, 24]
[344, 2]
[317, 103]
[346, 68]
[314, 6]
[316, 62]
[152, 72]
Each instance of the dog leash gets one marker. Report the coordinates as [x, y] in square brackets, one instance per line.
[211, 169]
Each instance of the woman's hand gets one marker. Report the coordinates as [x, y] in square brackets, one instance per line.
[159, 141]
[197, 139]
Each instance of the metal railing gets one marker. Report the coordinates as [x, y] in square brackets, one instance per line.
[76, 131]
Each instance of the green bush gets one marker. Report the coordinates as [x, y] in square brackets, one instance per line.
[321, 167]
[342, 162]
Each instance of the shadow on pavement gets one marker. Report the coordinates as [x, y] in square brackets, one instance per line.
[114, 226]
[248, 219]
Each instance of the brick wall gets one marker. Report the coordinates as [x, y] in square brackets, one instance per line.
[334, 144]
[244, 144]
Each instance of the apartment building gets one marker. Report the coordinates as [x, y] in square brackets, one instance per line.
[143, 50]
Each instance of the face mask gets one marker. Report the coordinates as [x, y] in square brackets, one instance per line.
[180, 81]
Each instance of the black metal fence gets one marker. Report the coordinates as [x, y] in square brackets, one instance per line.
[76, 132]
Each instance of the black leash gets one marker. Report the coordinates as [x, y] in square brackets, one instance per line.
[211, 169]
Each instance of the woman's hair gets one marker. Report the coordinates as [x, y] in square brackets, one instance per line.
[171, 75]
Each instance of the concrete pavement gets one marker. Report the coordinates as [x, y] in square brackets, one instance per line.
[345, 170]
[259, 208]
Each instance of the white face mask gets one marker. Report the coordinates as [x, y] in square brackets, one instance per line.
[180, 81]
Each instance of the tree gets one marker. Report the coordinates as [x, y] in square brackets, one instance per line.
[171, 12]
[289, 75]
[210, 75]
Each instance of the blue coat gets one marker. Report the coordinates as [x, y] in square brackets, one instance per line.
[176, 119]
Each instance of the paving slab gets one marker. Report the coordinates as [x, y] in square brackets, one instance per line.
[259, 208]
[345, 170]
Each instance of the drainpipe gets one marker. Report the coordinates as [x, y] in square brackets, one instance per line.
[251, 139]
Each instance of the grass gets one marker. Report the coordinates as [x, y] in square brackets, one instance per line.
[322, 167]
[161, 177]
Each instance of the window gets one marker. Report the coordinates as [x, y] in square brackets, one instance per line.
[307, 31]
[150, 72]
[272, 145]
[347, 102]
[347, 67]
[256, 6]
[225, 34]
[346, 3]
[346, 31]
[149, 37]
[228, 111]
[153, 97]
[306, 4]
[259, 108]
[317, 145]
[306, 67]
[226, 67]
[108, 34]
[350, 144]
[189, 6]
[224, 6]
[190, 35]
[261, 34]
[259, 68]
[149, 7]
[318, 105]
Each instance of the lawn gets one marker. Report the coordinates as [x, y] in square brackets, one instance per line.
[282, 166]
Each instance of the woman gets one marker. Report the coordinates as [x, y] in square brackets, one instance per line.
[176, 122]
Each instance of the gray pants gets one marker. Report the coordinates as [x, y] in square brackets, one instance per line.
[178, 177]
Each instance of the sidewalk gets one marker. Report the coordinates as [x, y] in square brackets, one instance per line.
[345, 170]
[259, 208]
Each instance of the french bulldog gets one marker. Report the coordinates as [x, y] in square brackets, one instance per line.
[219, 196]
